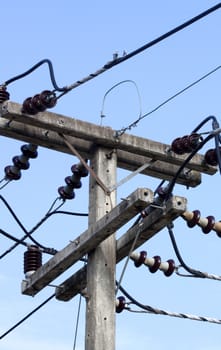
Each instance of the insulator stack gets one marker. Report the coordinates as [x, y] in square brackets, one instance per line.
[207, 224]
[4, 95]
[120, 304]
[154, 263]
[32, 260]
[39, 103]
[21, 162]
[73, 181]
[211, 157]
[185, 144]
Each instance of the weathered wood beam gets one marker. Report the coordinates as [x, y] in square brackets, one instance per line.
[125, 160]
[157, 219]
[88, 240]
[103, 136]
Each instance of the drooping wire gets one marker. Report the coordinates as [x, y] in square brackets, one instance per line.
[120, 132]
[152, 310]
[37, 65]
[215, 125]
[128, 258]
[29, 233]
[187, 160]
[13, 238]
[102, 115]
[27, 316]
[192, 271]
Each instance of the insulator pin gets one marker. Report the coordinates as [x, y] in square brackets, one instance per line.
[207, 224]
[73, 181]
[13, 172]
[171, 267]
[32, 260]
[120, 304]
[195, 219]
[154, 263]
[29, 150]
[211, 157]
[210, 224]
[185, 144]
[4, 95]
[39, 103]
[141, 259]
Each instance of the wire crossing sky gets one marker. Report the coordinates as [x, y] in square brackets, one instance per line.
[75, 38]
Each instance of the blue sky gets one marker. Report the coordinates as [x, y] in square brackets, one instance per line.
[79, 38]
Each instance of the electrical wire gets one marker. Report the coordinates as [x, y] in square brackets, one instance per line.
[102, 115]
[117, 60]
[204, 275]
[150, 309]
[77, 322]
[127, 259]
[187, 160]
[32, 69]
[13, 238]
[192, 271]
[27, 316]
[120, 132]
[28, 234]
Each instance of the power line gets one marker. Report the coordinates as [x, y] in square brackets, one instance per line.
[118, 60]
[29, 233]
[32, 69]
[135, 123]
[27, 316]
[150, 309]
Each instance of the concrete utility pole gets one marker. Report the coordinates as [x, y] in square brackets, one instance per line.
[100, 314]
[106, 154]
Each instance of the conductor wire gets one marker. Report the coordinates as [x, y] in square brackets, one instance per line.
[37, 65]
[128, 258]
[27, 316]
[118, 60]
[102, 115]
[120, 132]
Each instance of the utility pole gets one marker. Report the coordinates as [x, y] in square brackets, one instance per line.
[106, 153]
[100, 313]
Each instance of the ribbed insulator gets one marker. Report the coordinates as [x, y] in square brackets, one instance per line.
[73, 181]
[154, 264]
[120, 304]
[13, 172]
[207, 224]
[211, 157]
[4, 95]
[32, 260]
[185, 144]
[39, 103]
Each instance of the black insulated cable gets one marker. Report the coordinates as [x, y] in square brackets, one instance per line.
[164, 36]
[32, 69]
[27, 316]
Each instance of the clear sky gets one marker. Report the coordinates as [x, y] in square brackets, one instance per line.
[79, 38]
